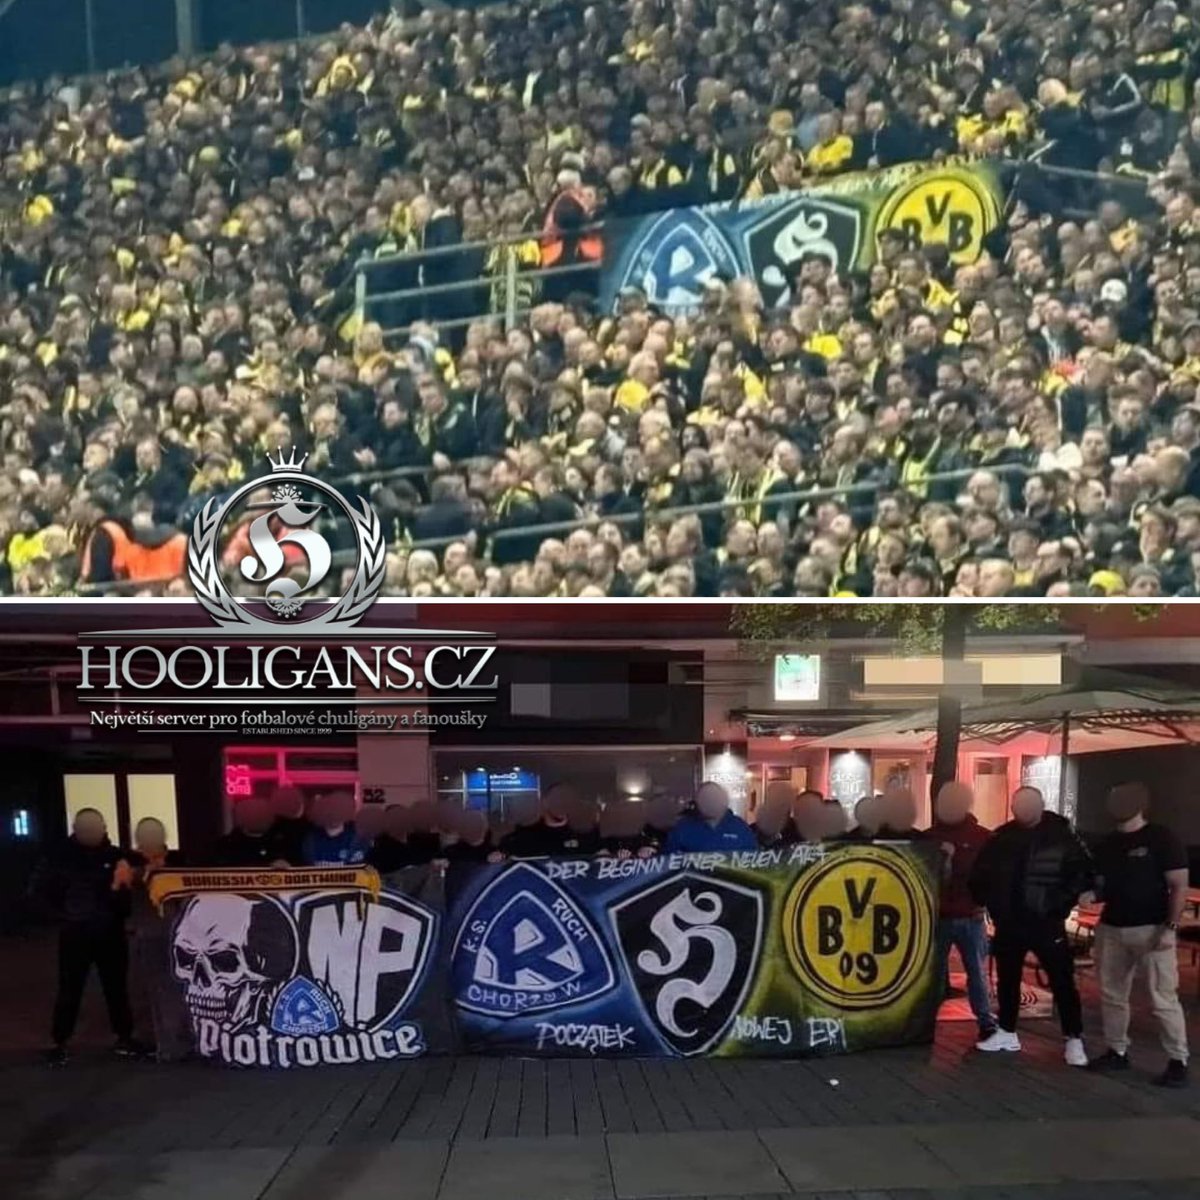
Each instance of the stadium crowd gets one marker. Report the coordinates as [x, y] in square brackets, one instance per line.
[177, 250]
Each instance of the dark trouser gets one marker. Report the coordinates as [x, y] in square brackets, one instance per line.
[158, 996]
[1047, 939]
[78, 948]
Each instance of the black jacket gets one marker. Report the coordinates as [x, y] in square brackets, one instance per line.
[442, 519]
[239, 849]
[1024, 873]
[76, 884]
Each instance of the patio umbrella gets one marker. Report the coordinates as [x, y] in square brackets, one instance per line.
[1104, 710]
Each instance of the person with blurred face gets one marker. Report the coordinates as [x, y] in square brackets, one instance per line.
[662, 815]
[473, 841]
[806, 816]
[898, 812]
[333, 840]
[960, 919]
[80, 886]
[832, 821]
[1142, 875]
[389, 850]
[867, 817]
[1029, 876]
[255, 839]
[422, 841]
[622, 831]
[711, 826]
[291, 827]
[548, 832]
[773, 818]
[158, 992]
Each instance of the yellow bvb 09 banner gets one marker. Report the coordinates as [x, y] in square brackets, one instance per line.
[671, 255]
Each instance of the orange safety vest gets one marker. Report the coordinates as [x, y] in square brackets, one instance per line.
[590, 247]
[149, 564]
[120, 550]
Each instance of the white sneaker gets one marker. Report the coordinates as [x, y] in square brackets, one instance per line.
[1074, 1053]
[1000, 1040]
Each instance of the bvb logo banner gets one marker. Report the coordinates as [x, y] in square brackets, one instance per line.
[857, 929]
[956, 207]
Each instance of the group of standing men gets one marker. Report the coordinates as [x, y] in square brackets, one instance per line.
[1028, 877]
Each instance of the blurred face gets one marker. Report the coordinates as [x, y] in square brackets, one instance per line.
[900, 810]
[866, 814]
[1028, 806]
[1127, 801]
[253, 815]
[954, 802]
[89, 828]
[712, 801]
[150, 836]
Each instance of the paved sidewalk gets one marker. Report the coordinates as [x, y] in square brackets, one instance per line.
[918, 1123]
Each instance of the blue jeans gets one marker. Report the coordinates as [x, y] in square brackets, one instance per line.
[969, 936]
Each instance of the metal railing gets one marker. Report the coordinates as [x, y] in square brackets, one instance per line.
[1080, 191]
[1085, 190]
[343, 558]
[418, 260]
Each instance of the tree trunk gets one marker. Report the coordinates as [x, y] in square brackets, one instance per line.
[949, 709]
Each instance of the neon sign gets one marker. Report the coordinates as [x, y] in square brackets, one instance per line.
[237, 779]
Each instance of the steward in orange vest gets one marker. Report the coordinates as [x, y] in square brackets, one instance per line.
[564, 242]
[115, 552]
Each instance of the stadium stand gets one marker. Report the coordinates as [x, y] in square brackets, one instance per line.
[181, 291]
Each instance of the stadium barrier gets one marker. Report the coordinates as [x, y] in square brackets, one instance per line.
[668, 253]
[562, 529]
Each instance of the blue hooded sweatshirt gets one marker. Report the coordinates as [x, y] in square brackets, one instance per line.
[342, 849]
[694, 835]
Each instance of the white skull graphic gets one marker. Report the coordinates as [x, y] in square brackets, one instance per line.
[232, 952]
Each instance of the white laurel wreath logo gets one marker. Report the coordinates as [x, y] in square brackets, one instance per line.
[213, 595]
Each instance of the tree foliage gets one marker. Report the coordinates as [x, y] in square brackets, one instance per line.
[915, 628]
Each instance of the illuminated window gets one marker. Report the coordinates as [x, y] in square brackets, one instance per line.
[20, 823]
[798, 677]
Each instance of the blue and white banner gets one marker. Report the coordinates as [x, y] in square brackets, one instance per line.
[797, 951]
[671, 255]
[790, 952]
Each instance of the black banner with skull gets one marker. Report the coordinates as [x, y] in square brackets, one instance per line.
[295, 975]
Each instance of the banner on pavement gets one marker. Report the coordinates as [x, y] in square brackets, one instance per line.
[670, 255]
[791, 952]
[797, 951]
[292, 971]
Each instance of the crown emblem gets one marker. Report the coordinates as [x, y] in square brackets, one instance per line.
[291, 464]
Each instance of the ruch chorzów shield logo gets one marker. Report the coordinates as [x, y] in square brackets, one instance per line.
[676, 256]
[525, 946]
[691, 945]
